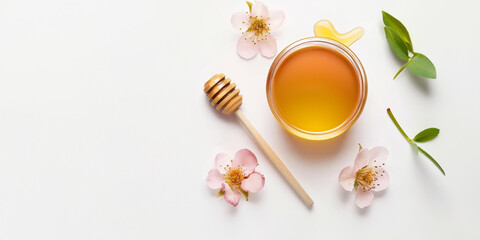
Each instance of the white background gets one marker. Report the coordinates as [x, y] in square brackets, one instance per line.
[105, 132]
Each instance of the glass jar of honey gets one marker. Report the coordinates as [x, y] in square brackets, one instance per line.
[317, 87]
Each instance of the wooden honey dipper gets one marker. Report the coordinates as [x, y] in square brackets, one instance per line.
[224, 96]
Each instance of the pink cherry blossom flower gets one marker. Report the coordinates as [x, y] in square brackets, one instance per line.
[256, 26]
[235, 177]
[366, 175]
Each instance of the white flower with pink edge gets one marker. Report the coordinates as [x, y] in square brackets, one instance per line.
[256, 26]
[366, 175]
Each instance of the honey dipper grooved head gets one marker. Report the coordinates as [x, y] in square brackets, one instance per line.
[223, 94]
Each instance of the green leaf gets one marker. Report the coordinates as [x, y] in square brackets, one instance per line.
[426, 135]
[396, 43]
[220, 193]
[431, 159]
[245, 194]
[250, 4]
[398, 27]
[421, 66]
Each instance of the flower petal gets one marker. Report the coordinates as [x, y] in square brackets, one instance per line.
[378, 156]
[383, 180]
[215, 179]
[240, 21]
[253, 183]
[347, 178]
[222, 162]
[363, 198]
[231, 196]
[276, 19]
[246, 48]
[268, 47]
[246, 160]
[361, 159]
[260, 10]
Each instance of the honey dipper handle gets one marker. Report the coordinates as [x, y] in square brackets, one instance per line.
[275, 160]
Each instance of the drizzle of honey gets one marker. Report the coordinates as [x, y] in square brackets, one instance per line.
[316, 89]
[325, 29]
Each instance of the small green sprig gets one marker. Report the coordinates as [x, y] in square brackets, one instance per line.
[401, 44]
[423, 136]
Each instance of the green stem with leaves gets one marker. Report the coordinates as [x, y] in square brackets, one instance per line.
[399, 41]
[412, 141]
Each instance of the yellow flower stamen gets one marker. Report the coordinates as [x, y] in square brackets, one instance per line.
[259, 27]
[234, 177]
[366, 176]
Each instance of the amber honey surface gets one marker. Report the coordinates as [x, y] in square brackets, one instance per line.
[316, 89]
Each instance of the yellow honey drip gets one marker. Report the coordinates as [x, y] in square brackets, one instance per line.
[325, 29]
